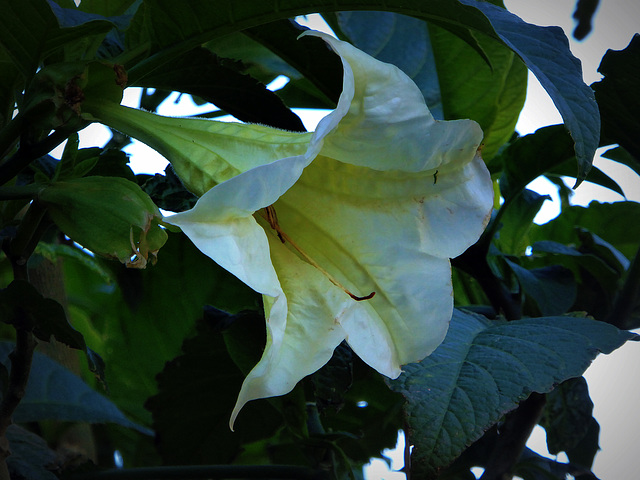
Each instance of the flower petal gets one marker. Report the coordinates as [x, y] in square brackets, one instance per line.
[387, 124]
[302, 328]
[368, 230]
[222, 226]
[203, 152]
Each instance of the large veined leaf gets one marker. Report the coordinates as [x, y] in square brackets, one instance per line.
[55, 393]
[483, 369]
[169, 29]
[29, 31]
[178, 27]
[545, 51]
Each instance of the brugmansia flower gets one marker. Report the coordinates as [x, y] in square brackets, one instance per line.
[347, 231]
[350, 236]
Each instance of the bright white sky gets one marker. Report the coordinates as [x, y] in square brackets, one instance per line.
[615, 394]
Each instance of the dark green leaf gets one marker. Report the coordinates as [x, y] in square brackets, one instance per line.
[597, 279]
[178, 28]
[30, 455]
[585, 451]
[309, 56]
[517, 220]
[552, 288]
[621, 155]
[55, 393]
[201, 73]
[139, 317]
[106, 8]
[9, 86]
[559, 73]
[530, 156]
[618, 97]
[371, 411]
[24, 307]
[201, 386]
[533, 466]
[584, 13]
[567, 415]
[168, 192]
[333, 380]
[30, 32]
[483, 369]
[610, 221]
[592, 243]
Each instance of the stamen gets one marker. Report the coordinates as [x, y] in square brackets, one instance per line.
[270, 216]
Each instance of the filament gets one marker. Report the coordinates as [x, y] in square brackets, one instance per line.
[270, 216]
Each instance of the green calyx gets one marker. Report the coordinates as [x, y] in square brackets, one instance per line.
[110, 216]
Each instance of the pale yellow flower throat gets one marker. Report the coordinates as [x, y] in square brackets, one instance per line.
[269, 214]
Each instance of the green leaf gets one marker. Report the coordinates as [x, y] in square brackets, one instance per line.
[333, 380]
[30, 455]
[23, 306]
[170, 29]
[139, 317]
[310, 57]
[30, 32]
[560, 74]
[533, 466]
[55, 393]
[106, 8]
[586, 449]
[618, 97]
[372, 411]
[208, 382]
[516, 220]
[9, 86]
[552, 288]
[621, 155]
[597, 280]
[168, 192]
[567, 416]
[483, 369]
[522, 161]
[491, 95]
[201, 73]
[610, 221]
[547, 151]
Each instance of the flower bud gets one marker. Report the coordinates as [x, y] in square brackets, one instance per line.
[110, 216]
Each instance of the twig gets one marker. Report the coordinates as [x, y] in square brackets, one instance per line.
[21, 359]
[207, 471]
[512, 438]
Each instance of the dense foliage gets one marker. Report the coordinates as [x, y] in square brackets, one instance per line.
[120, 336]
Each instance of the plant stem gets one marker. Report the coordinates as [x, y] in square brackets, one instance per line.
[208, 472]
[21, 359]
[628, 298]
[22, 192]
[474, 262]
[512, 438]
[26, 155]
